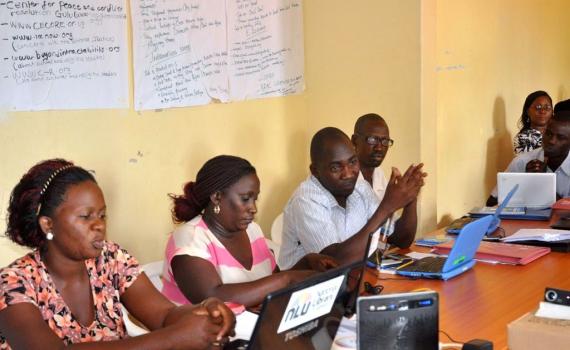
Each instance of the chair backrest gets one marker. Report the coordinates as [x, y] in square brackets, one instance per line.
[154, 272]
[274, 247]
[277, 229]
[133, 329]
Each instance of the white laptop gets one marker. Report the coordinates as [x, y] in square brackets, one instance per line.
[536, 190]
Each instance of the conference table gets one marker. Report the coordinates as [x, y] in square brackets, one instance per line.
[481, 302]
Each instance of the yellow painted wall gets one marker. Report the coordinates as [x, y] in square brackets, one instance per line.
[358, 59]
[363, 59]
[138, 159]
[490, 56]
[450, 77]
[366, 57]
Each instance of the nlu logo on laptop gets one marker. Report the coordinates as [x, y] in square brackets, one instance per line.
[310, 303]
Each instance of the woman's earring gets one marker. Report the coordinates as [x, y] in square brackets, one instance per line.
[49, 236]
[216, 209]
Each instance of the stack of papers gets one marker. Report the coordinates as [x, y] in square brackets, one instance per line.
[543, 235]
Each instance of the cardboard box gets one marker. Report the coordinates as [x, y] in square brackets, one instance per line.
[531, 332]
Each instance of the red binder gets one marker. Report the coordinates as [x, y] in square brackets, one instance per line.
[563, 203]
[516, 254]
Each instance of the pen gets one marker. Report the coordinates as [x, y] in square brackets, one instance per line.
[386, 228]
[404, 265]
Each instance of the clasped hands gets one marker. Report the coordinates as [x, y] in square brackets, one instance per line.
[536, 166]
[404, 189]
[212, 322]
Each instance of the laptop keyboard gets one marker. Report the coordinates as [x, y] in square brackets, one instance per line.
[427, 264]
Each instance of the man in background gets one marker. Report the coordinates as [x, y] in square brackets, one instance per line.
[562, 106]
[372, 141]
[552, 157]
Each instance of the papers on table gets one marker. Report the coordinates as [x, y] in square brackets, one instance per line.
[544, 235]
[555, 311]
[245, 323]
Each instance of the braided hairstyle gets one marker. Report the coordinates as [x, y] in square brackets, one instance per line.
[216, 175]
[40, 191]
[524, 121]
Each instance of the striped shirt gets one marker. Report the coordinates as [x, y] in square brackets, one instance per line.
[313, 219]
[194, 238]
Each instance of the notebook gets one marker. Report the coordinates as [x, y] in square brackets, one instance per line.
[460, 257]
[303, 316]
[398, 321]
[556, 240]
[458, 224]
[536, 190]
[515, 254]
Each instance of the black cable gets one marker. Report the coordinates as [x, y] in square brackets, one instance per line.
[450, 338]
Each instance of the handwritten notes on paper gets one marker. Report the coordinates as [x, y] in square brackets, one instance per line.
[180, 54]
[59, 54]
[72, 54]
[194, 52]
[265, 48]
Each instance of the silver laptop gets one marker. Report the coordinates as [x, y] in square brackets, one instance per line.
[398, 321]
[536, 190]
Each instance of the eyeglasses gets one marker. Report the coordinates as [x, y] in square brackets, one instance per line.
[539, 108]
[375, 140]
[374, 290]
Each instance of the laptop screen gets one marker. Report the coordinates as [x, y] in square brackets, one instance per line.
[304, 316]
[537, 190]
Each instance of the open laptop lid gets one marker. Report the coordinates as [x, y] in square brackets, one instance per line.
[505, 202]
[467, 243]
[398, 321]
[536, 190]
[306, 315]
[356, 276]
[496, 216]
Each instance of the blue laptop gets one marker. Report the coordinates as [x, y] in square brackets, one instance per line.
[460, 258]
[496, 213]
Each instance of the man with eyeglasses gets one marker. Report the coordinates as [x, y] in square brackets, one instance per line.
[552, 157]
[371, 140]
[332, 213]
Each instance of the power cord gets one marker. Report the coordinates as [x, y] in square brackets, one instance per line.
[449, 337]
[454, 345]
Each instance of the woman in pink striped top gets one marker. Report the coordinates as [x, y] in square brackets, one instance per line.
[218, 250]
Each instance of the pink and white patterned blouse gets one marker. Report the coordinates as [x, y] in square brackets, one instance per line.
[194, 238]
[27, 280]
